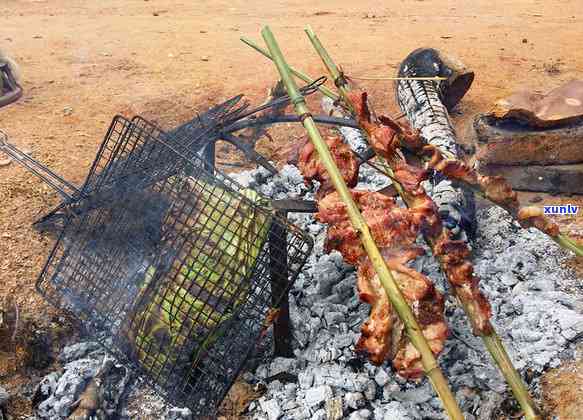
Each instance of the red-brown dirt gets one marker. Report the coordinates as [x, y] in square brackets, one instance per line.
[85, 61]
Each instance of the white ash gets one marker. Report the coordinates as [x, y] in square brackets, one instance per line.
[353, 136]
[521, 273]
[62, 391]
[56, 394]
[4, 396]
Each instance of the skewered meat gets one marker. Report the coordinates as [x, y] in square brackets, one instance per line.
[394, 230]
[494, 188]
[313, 169]
[453, 255]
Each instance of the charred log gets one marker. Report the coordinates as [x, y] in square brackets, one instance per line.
[426, 104]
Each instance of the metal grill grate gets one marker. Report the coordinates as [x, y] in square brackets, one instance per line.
[124, 155]
[174, 273]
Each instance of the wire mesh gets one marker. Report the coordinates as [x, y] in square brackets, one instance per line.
[172, 267]
[123, 155]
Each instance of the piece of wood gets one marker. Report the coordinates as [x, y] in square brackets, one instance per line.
[513, 144]
[553, 179]
[426, 105]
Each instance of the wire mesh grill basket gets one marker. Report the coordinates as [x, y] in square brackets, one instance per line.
[123, 155]
[173, 267]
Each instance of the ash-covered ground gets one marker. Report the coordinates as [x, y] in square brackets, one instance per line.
[536, 302]
[537, 311]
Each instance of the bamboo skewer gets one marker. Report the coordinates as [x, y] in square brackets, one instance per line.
[563, 240]
[413, 329]
[492, 341]
[299, 74]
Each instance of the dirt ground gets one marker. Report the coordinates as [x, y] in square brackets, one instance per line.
[85, 61]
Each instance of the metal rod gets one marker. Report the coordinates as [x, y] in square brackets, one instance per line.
[249, 152]
[279, 273]
[281, 119]
[58, 183]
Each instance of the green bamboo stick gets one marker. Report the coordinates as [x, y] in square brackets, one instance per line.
[299, 74]
[413, 329]
[332, 68]
[569, 244]
[491, 341]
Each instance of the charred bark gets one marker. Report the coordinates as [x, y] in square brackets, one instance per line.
[426, 104]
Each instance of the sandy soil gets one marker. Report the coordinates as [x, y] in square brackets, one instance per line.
[85, 61]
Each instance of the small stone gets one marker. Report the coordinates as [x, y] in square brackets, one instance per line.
[364, 413]
[524, 40]
[333, 318]
[247, 377]
[395, 411]
[317, 395]
[381, 378]
[370, 391]
[573, 332]
[305, 379]
[67, 110]
[415, 396]
[544, 284]
[508, 279]
[179, 414]
[77, 351]
[290, 391]
[204, 58]
[275, 386]
[271, 408]
[359, 415]
[334, 409]
[262, 372]
[301, 413]
[282, 364]
[319, 415]
[354, 400]
[568, 319]
[344, 340]
[4, 396]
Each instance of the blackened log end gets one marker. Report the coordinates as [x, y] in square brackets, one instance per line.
[429, 62]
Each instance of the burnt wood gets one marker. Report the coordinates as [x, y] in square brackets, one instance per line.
[426, 104]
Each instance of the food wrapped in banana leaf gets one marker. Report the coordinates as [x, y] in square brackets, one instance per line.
[182, 311]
